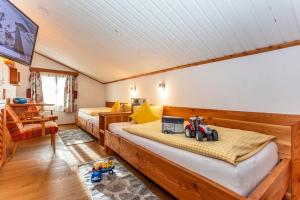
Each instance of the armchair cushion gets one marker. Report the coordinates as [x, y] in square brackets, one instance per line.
[12, 116]
[35, 130]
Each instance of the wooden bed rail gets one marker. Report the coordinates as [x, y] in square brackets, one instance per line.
[275, 185]
[295, 154]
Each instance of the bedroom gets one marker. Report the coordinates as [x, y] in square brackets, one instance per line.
[103, 77]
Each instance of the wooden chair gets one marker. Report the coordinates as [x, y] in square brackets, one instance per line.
[38, 112]
[27, 129]
[2, 141]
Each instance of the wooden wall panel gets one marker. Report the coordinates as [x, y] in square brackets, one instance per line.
[281, 132]
[267, 118]
[278, 125]
[110, 104]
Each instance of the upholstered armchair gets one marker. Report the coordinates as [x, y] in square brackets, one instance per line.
[27, 129]
[38, 112]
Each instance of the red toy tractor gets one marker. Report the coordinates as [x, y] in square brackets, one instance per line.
[197, 129]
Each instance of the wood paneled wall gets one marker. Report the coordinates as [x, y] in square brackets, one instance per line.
[110, 104]
[269, 118]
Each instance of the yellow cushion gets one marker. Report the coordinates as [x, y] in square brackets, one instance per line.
[144, 115]
[116, 107]
[156, 110]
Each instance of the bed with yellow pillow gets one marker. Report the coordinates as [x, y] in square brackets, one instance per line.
[88, 118]
[231, 162]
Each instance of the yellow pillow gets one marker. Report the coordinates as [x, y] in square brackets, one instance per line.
[156, 110]
[144, 115]
[116, 107]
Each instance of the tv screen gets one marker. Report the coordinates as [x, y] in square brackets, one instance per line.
[17, 34]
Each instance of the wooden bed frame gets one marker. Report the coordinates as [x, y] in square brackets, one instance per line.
[282, 182]
[91, 128]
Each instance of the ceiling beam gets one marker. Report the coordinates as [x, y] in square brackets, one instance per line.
[227, 57]
[33, 69]
[67, 66]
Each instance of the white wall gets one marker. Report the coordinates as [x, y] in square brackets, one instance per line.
[4, 81]
[267, 82]
[90, 93]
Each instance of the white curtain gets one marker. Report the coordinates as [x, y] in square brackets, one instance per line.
[54, 89]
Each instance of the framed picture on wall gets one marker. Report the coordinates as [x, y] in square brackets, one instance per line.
[137, 101]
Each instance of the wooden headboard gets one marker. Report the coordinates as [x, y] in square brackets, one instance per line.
[110, 104]
[279, 125]
[285, 127]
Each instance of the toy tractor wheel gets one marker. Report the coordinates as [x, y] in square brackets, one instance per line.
[215, 136]
[188, 132]
[209, 136]
[199, 136]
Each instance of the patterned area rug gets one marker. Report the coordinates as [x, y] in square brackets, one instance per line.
[122, 184]
[75, 136]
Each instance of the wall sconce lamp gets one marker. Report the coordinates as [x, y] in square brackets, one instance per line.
[162, 90]
[133, 91]
[162, 86]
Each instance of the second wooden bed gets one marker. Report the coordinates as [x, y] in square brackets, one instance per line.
[282, 182]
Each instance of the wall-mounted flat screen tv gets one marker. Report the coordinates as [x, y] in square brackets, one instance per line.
[18, 34]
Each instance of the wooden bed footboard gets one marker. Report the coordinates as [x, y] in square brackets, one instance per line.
[107, 118]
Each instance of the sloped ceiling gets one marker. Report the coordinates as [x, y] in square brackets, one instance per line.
[113, 39]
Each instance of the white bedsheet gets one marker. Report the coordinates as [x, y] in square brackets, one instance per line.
[241, 179]
[89, 118]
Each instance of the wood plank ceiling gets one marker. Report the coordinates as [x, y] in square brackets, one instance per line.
[113, 39]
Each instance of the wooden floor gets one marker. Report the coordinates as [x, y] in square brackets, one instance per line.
[35, 173]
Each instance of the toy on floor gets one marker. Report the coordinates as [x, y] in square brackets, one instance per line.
[101, 167]
[199, 130]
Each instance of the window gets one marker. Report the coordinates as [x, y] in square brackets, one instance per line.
[54, 89]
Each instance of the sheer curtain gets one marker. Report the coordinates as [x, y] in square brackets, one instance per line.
[54, 89]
